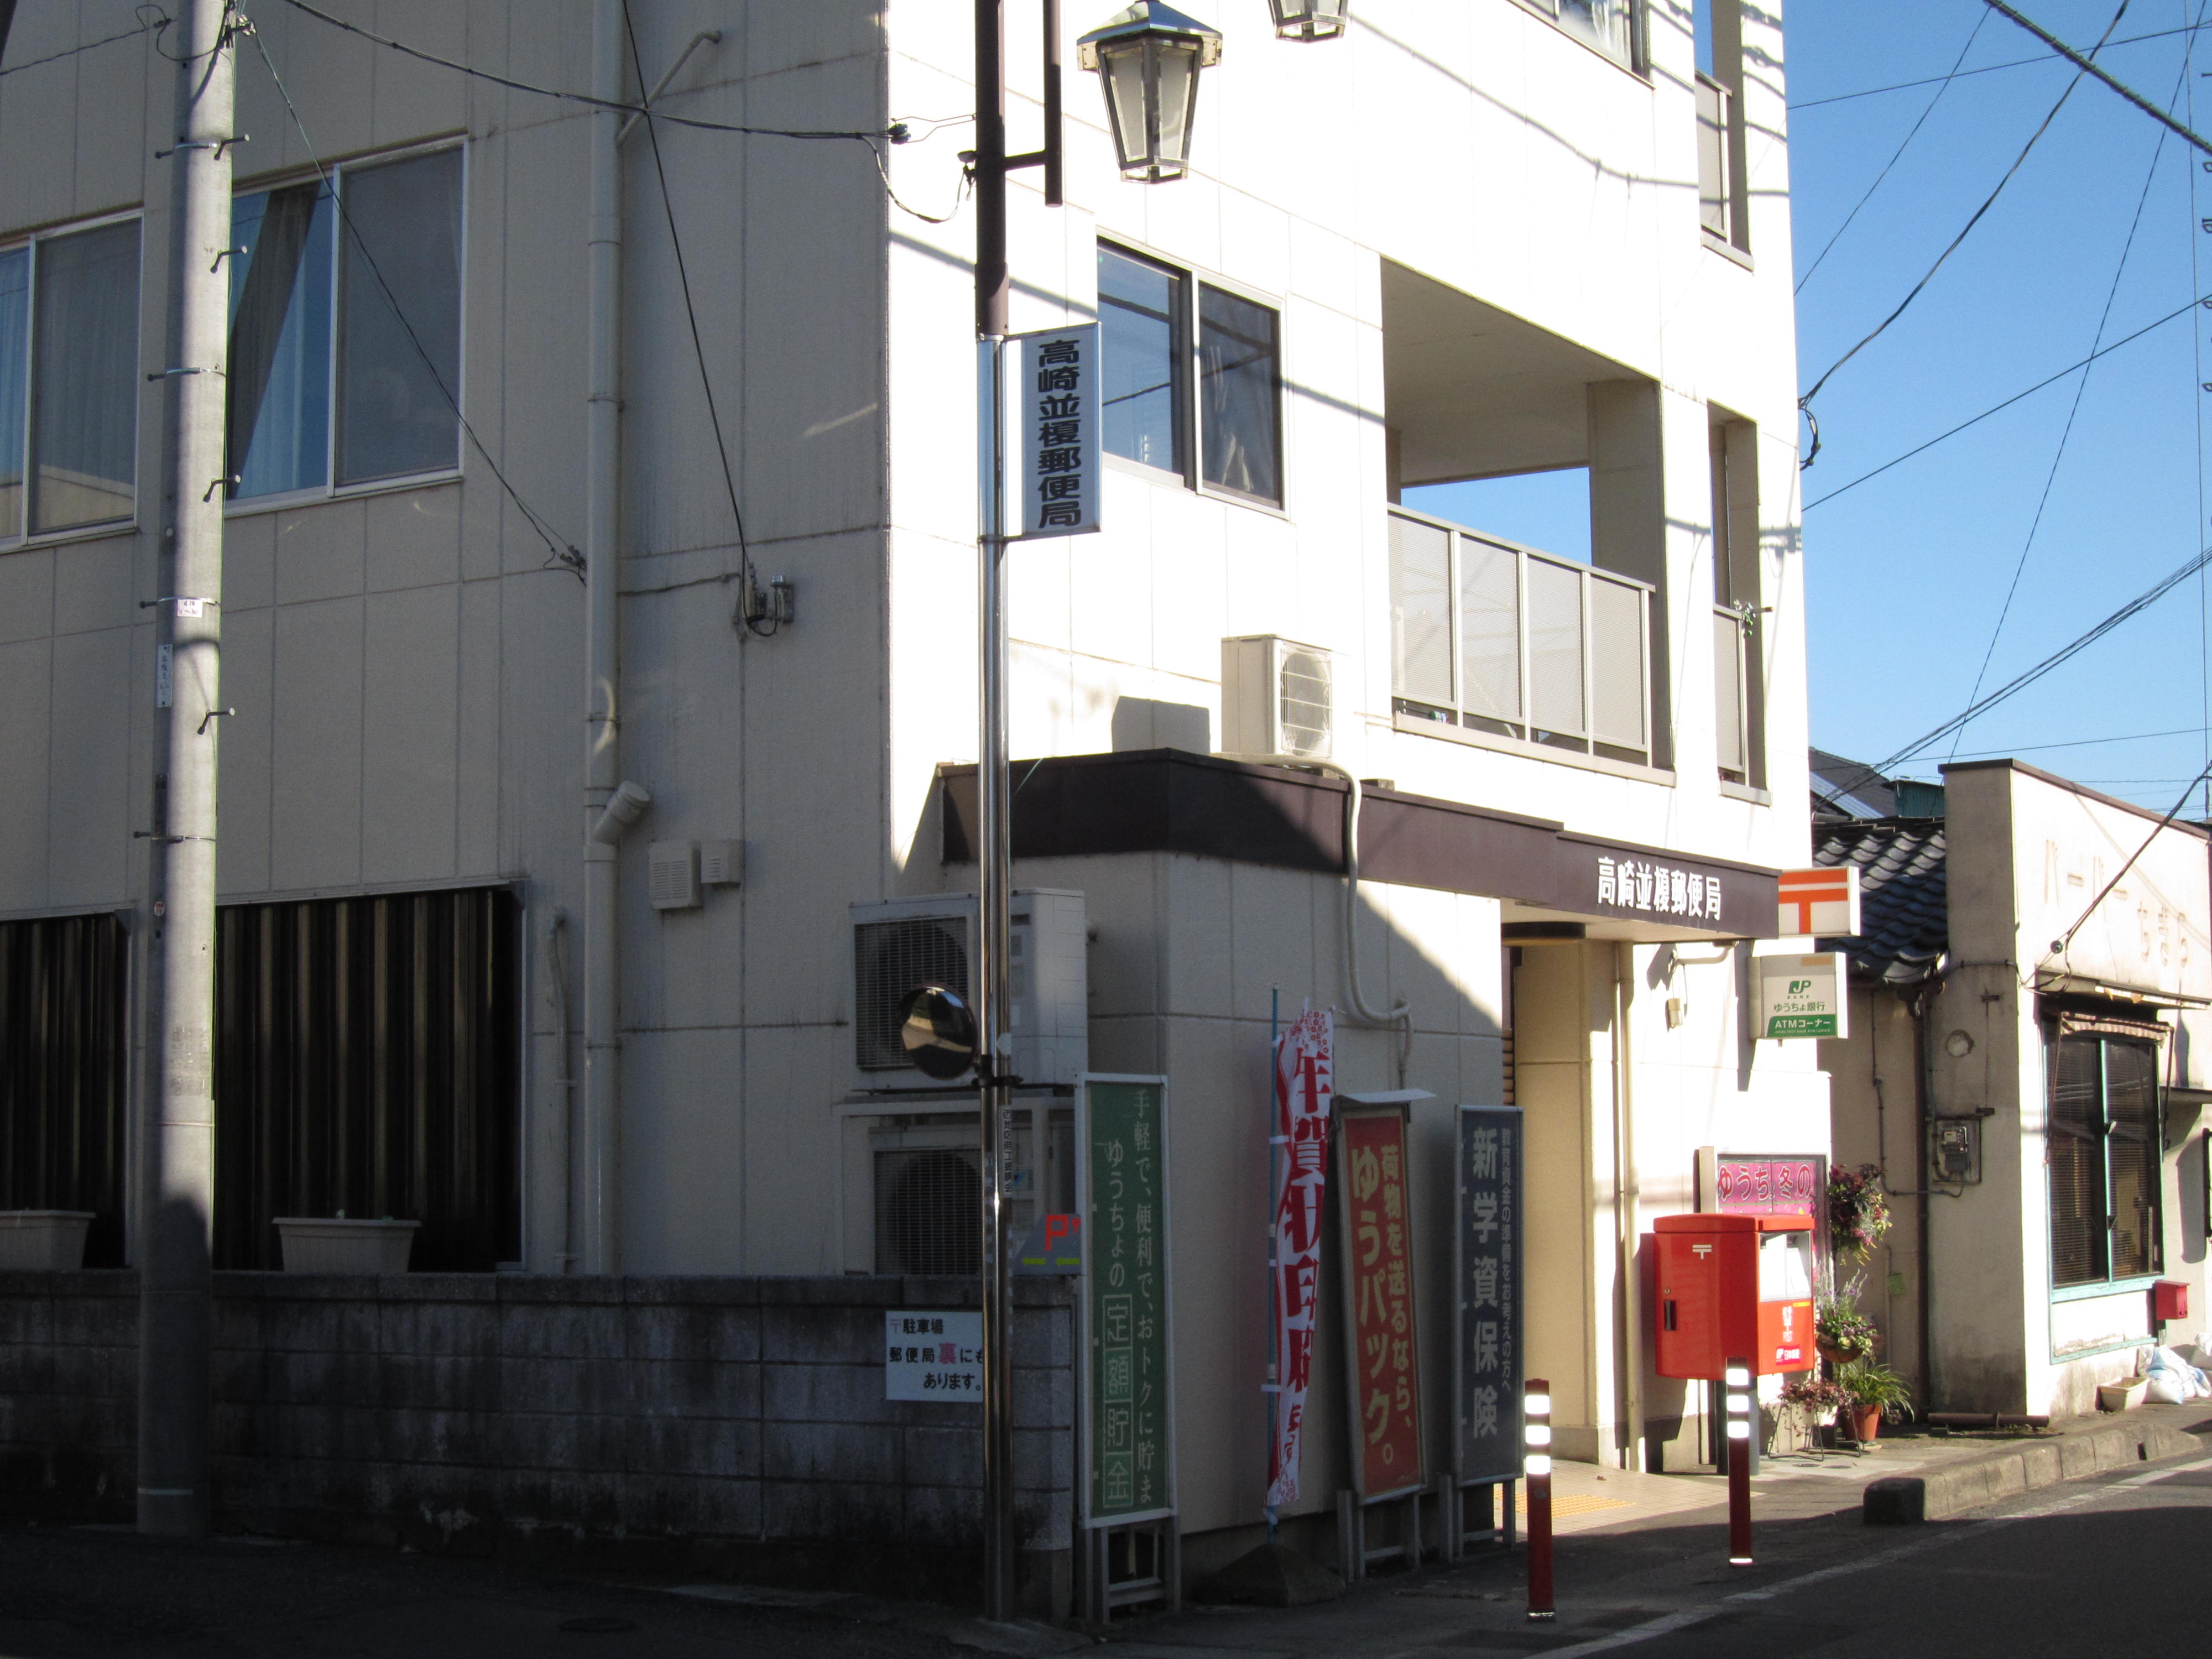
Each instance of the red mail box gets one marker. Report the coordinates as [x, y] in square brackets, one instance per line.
[2169, 1299]
[1729, 1287]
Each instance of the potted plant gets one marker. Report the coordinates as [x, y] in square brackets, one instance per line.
[335, 1244]
[1843, 1334]
[1815, 1399]
[51, 1240]
[1872, 1392]
[1858, 1214]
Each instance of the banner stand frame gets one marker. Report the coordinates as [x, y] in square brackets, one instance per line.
[1354, 1557]
[1103, 1592]
[1498, 1526]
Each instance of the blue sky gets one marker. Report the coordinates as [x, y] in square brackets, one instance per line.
[1907, 574]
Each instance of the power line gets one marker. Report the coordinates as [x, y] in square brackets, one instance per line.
[2081, 742]
[1997, 409]
[698, 349]
[1973, 35]
[2026, 678]
[1914, 292]
[1984, 68]
[563, 552]
[2081, 390]
[2088, 68]
[868, 138]
[161, 20]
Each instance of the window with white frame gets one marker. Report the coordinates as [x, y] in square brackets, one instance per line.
[1608, 25]
[1191, 387]
[2103, 1136]
[345, 328]
[69, 380]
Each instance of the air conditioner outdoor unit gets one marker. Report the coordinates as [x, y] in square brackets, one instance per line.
[909, 942]
[1275, 700]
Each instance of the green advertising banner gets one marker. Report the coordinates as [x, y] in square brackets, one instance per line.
[1122, 1129]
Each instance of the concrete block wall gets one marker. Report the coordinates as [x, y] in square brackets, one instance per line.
[737, 1424]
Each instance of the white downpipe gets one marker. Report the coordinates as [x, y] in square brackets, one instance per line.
[602, 1229]
[1399, 1014]
[1627, 1200]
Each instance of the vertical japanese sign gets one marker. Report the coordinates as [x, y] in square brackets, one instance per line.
[1129, 1425]
[1487, 1358]
[1383, 1346]
[1056, 403]
[1305, 1090]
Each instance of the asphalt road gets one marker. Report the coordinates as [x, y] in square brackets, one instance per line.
[2114, 1562]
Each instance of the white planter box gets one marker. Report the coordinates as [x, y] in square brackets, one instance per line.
[326, 1245]
[45, 1240]
[2124, 1395]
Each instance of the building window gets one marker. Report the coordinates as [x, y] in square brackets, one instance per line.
[1739, 655]
[1722, 202]
[1498, 638]
[1176, 371]
[368, 1062]
[69, 380]
[64, 1071]
[345, 328]
[2102, 1152]
[1610, 26]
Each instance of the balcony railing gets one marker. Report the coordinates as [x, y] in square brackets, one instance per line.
[1494, 637]
[1715, 190]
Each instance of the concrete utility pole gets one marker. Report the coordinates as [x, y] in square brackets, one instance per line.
[177, 1203]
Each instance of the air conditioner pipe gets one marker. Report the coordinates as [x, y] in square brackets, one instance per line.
[1398, 1014]
[608, 803]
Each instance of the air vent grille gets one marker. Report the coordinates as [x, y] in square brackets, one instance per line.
[929, 1211]
[890, 958]
[1304, 697]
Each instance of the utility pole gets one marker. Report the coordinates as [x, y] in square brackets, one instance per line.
[177, 1200]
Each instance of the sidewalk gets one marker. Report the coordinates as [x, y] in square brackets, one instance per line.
[1634, 1548]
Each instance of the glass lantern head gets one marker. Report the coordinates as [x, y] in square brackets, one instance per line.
[1147, 59]
[1311, 20]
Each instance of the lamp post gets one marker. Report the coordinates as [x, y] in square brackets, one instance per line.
[1148, 58]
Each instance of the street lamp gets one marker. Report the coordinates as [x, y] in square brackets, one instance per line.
[1147, 59]
[1311, 20]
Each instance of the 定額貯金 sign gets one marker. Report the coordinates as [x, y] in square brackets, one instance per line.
[1121, 1127]
[1378, 1267]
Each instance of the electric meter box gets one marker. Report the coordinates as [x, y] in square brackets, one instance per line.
[1732, 1287]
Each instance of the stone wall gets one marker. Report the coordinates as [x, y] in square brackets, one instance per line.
[735, 1424]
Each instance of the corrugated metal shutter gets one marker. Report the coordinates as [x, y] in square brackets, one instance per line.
[65, 984]
[368, 1060]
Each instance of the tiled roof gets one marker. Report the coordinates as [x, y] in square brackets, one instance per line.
[1902, 896]
[1849, 788]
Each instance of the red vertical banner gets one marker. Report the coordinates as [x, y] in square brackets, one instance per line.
[1383, 1351]
[1305, 1092]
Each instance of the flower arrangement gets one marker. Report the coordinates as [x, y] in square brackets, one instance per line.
[1814, 1399]
[1858, 1214]
[1875, 1387]
[1842, 1333]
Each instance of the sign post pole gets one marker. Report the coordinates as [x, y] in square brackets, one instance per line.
[1536, 1415]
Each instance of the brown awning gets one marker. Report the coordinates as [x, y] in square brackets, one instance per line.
[1168, 800]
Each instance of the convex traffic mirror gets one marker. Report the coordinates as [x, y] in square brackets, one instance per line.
[937, 1029]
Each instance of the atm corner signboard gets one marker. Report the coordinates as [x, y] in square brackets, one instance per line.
[1803, 996]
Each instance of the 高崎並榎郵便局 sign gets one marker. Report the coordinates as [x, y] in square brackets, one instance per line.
[1055, 404]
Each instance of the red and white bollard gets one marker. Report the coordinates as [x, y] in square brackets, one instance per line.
[1738, 1382]
[1537, 1469]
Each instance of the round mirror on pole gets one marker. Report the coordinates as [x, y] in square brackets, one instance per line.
[1311, 20]
[1147, 59]
[937, 1029]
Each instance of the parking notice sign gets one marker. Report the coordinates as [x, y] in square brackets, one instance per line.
[933, 1356]
[1802, 996]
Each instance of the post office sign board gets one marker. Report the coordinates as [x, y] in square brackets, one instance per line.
[933, 1356]
[1054, 408]
[1802, 996]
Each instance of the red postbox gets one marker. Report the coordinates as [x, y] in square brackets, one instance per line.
[1730, 1285]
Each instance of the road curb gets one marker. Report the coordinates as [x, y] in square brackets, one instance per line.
[2009, 1471]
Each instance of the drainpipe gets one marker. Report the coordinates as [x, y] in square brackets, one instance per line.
[604, 795]
[1627, 1199]
[563, 1226]
[1923, 1060]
